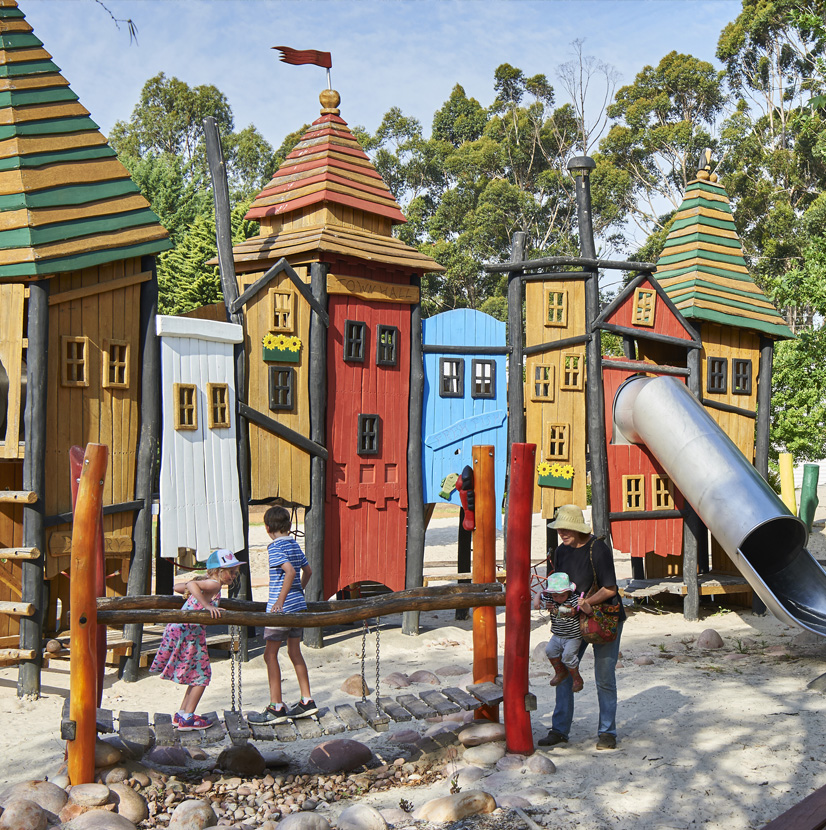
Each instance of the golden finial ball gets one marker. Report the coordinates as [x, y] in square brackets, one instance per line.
[329, 99]
[713, 177]
[703, 175]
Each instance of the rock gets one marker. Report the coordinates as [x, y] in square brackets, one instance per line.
[129, 804]
[301, 821]
[46, 794]
[71, 811]
[709, 639]
[394, 815]
[538, 654]
[130, 750]
[54, 646]
[268, 825]
[397, 680]
[466, 777]
[451, 671]
[482, 733]
[106, 754]
[510, 762]
[404, 736]
[541, 764]
[440, 728]
[804, 638]
[167, 756]
[340, 755]
[484, 755]
[22, 814]
[244, 760]
[193, 814]
[275, 759]
[61, 780]
[89, 795]
[100, 820]
[361, 817]
[508, 802]
[115, 775]
[643, 661]
[424, 676]
[197, 754]
[777, 651]
[355, 686]
[142, 778]
[736, 655]
[456, 807]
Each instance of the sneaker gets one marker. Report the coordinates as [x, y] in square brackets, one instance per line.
[606, 741]
[303, 710]
[192, 722]
[176, 719]
[552, 739]
[272, 714]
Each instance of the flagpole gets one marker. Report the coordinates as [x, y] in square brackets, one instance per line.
[329, 82]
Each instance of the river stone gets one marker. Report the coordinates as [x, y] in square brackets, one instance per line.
[22, 814]
[130, 750]
[301, 821]
[508, 802]
[484, 755]
[100, 820]
[340, 755]
[89, 795]
[355, 686]
[482, 733]
[395, 816]
[361, 817]
[540, 764]
[244, 760]
[510, 762]
[193, 814]
[114, 775]
[709, 639]
[451, 671]
[405, 736]
[456, 807]
[129, 804]
[276, 758]
[106, 754]
[396, 680]
[424, 676]
[467, 776]
[61, 780]
[643, 661]
[46, 794]
[168, 756]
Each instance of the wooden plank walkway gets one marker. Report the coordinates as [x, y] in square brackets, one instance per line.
[710, 584]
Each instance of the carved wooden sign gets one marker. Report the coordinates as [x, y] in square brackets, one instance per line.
[373, 290]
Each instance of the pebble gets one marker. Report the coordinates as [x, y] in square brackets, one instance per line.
[168, 756]
[244, 760]
[485, 755]
[361, 817]
[467, 776]
[456, 807]
[100, 820]
[424, 676]
[89, 795]
[396, 680]
[482, 733]
[47, 794]
[303, 821]
[355, 686]
[106, 754]
[129, 804]
[643, 661]
[22, 814]
[114, 775]
[510, 762]
[709, 639]
[193, 815]
[341, 754]
[541, 764]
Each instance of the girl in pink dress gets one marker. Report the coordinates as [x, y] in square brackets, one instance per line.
[182, 656]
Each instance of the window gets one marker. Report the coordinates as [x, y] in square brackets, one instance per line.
[741, 377]
[645, 301]
[633, 493]
[543, 382]
[572, 374]
[75, 353]
[556, 305]
[281, 310]
[451, 377]
[218, 397]
[662, 493]
[484, 379]
[115, 364]
[186, 406]
[717, 369]
[557, 442]
[387, 339]
[355, 335]
[368, 437]
[282, 383]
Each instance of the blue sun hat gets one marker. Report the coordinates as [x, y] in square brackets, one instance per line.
[560, 582]
[221, 558]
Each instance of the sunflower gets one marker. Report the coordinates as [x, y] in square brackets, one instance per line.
[567, 471]
[293, 344]
[281, 342]
[556, 470]
[269, 341]
[543, 468]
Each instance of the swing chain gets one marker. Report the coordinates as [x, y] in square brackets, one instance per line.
[365, 629]
[235, 665]
[378, 658]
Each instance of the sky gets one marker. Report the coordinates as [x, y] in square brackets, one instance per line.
[404, 53]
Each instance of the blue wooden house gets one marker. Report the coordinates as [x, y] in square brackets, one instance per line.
[465, 397]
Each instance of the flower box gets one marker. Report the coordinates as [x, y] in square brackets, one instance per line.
[559, 482]
[281, 355]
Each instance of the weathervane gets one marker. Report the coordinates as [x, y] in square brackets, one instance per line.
[302, 56]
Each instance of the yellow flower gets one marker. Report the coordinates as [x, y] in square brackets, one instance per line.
[269, 341]
[543, 468]
[280, 342]
[556, 470]
[567, 471]
[294, 344]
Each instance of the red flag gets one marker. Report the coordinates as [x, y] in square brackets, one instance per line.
[301, 56]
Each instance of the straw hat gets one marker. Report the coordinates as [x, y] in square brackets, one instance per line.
[570, 517]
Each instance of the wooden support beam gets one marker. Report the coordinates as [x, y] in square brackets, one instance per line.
[277, 428]
[17, 497]
[16, 654]
[99, 288]
[17, 609]
[19, 553]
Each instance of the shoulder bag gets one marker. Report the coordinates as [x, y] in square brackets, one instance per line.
[600, 626]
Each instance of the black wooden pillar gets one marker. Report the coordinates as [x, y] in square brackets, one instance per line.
[314, 515]
[414, 564]
[516, 385]
[146, 473]
[34, 479]
[581, 168]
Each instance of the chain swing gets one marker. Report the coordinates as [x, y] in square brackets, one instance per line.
[235, 666]
[364, 687]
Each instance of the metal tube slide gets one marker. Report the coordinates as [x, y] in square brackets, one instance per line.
[764, 540]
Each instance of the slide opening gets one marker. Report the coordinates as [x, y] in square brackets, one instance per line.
[774, 545]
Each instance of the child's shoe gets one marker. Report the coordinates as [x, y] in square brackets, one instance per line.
[176, 719]
[577, 678]
[303, 710]
[192, 722]
[561, 671]
[272, 714]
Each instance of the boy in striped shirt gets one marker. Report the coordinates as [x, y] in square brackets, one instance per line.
[563, 648]
[289, 574]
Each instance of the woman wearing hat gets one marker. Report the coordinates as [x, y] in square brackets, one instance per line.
[589, 563]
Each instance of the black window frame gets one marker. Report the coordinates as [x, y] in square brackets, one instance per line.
[289, 405]
[741, 380]
[716, 370]
[460, 377]
[361, 449]
[349, 340]
[473, 364]
[393, 360]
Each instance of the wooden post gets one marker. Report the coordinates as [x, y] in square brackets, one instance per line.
[518, 735]
[147, 465]
[34, 481]
[414, 564]
[761, 443]
[693, 528]
[83, 631]
[314, 515]
[485, 658]
[229, 288]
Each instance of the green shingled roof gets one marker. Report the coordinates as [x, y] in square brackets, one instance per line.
[702, 269]
[66, 202]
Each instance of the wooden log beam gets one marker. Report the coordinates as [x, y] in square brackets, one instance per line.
[17, 609]
[17, 497]
[19, 553]
[17, 654]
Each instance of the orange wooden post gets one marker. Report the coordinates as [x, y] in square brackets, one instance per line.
[485, 659]
[518, 734]
[83, 629]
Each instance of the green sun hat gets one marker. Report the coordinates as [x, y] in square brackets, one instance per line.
[560, 582]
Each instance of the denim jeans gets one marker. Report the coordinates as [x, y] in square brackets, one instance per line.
[605, 662]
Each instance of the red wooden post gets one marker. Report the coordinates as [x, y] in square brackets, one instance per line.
[485, 659]
[518, 734]
[83, 629]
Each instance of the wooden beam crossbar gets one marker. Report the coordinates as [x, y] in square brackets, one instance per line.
[17, 609]
[556, 345]
[558, 276]
[619, 516]
[641, 366]
[727, 407]
[649, 335]
[99, 288]
[19, 553]
[571, 261]
[108, 510]
[17, 497]
[431, 349]
[276, 428]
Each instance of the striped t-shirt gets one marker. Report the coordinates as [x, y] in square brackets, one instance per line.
[281, 550]
[565, 616]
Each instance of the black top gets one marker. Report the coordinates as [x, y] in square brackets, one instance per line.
[576, 562]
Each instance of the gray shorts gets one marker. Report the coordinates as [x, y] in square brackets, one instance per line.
[278, 635]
